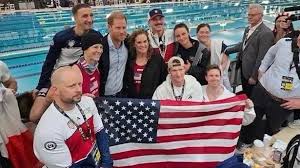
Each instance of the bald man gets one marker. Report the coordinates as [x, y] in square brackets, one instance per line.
[70, 133]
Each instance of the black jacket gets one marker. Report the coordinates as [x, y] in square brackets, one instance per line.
[104, 63]
[199, 61]
[154, 74]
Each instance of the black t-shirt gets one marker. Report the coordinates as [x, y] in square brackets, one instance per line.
[186, 54]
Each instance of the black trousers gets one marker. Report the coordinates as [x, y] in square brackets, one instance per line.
[264, 104]
[297, 114]
[247, 88]
[4, 163]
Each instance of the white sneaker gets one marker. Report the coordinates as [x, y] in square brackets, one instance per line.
[294, 124]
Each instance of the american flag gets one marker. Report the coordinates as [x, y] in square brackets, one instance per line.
[171, 134]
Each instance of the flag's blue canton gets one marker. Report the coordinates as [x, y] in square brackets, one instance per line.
[129, 120]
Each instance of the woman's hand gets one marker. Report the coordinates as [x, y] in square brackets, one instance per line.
[249, 104]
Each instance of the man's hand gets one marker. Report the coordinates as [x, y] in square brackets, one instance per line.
[187, 66]
[291, 104]
[251, 81]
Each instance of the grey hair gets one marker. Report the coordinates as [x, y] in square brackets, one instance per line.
[257, 6]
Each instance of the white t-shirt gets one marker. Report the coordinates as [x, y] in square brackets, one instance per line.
[58, 143]
[249, 114]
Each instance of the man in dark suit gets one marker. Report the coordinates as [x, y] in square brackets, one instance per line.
[257, 40]
[115, 56]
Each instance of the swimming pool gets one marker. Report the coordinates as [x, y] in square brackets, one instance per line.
[25, 36]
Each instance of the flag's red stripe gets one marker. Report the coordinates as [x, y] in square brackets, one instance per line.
[190, 103]
[216, 122]
[174, 165]
[187, 114]
[20, 151]
[182, 137]
[187, 150]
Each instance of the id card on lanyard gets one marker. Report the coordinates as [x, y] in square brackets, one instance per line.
[96, 154]
[287, 83]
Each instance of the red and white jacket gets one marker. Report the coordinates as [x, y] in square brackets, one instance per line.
[58, 143]
[169, 43]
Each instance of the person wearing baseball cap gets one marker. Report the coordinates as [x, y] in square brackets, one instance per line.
[161, 39]
[178, 86]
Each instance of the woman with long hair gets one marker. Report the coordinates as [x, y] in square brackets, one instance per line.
[194, 54]
[146, 70]
[283, 26]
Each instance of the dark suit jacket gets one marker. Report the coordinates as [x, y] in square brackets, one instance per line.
[104, 63]
[254, 50]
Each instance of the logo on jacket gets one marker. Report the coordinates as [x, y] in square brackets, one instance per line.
[71, 43]
[71, 125]
[50, 145]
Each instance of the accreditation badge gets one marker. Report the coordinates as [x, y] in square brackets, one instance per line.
[287, 83]
[96, 154]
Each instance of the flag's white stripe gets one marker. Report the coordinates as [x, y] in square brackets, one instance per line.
[173, 145]
[199, 130]
[202, 108]
[172, 158]
[225, 115]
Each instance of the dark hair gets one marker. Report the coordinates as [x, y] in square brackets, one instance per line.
[79, 6]
[25, 102]
[132, 38]
[115, 15]
[181, 25]
[291, 27]
[203, 25]
[213, 66]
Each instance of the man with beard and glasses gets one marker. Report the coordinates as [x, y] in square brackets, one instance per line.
[70, 132]
[65, 50]
[161, 39]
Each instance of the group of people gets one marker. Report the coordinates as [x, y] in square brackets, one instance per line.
[158, 64]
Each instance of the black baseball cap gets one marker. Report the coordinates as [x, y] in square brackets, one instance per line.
[155, 12]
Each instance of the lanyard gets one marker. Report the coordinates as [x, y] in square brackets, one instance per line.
[161, 44]
[178, 98]
[85, 136]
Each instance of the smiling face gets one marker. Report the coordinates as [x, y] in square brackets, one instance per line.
[84, 19]
[282, 23]
[118, 29]
[182, 36]
[213, 77]
[141, 44]
[177, 75]
[93, 53]
[157, 24]
[203, 34]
